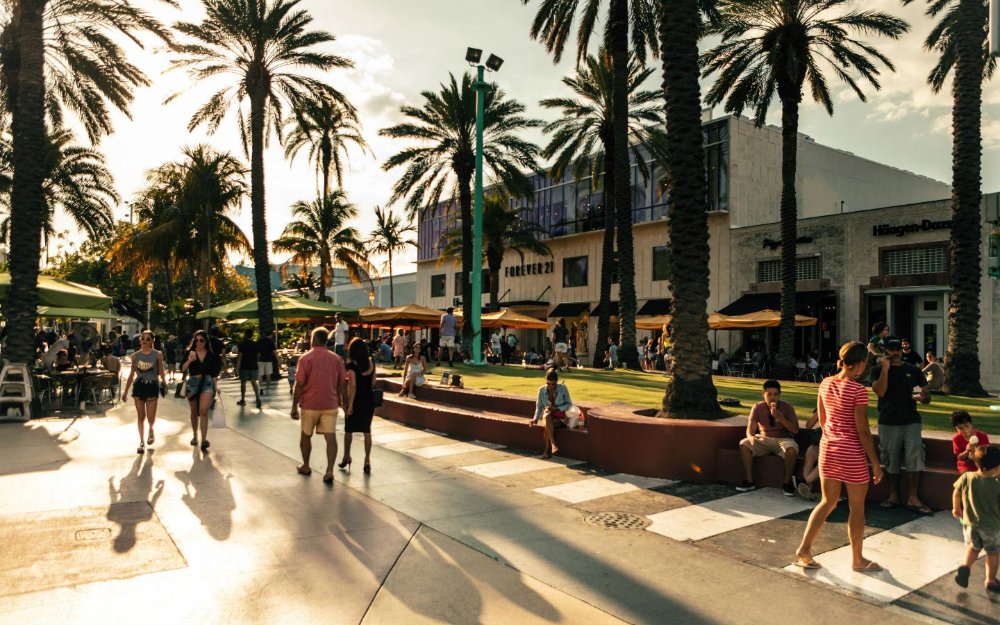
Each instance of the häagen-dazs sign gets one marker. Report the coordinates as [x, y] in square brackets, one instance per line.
[927, 225]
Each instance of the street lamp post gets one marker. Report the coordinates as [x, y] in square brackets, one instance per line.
[493, 63]
[149, 305]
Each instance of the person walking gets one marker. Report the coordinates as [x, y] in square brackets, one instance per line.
[170, 357]
[447, 341]
[147, 366]
[399, 349]
[202, 368]
[560, 336]
[341, 331]
[265, 362]
[320, 383]
[845, 452]
[360, 406]
[247, 358]
[900, 434]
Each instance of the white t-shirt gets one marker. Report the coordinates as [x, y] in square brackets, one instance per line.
[340, 333]
[495, 341]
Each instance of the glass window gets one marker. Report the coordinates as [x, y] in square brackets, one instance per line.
[915, 260]
[575, 271]
[661, 263]
[438, 285]
[458, 284]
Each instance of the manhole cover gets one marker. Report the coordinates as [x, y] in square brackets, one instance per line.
[617, 520]
[94, 534]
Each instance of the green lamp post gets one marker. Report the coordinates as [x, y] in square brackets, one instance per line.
[493, 63]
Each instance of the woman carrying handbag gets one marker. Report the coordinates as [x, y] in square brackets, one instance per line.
[360, 407]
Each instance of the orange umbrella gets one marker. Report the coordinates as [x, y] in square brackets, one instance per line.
[762, 319]
[660, 322]
[412, 315]
[508, 318]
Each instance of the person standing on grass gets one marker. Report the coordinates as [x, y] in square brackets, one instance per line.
[247, 367]
[360, 407]
[976, 503]
[900, 434]
[845, 452]
[320, 383]
[447, 341]
[148, 364]
[560, 337]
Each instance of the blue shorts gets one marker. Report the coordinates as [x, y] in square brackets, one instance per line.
[195, 386]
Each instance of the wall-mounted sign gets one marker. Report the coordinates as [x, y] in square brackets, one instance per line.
[927, 225]
[530, 269]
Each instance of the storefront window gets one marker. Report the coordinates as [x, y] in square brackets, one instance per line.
[805, 269]
[439, 285]
[661, 263]
[915, 260]
[575, 271]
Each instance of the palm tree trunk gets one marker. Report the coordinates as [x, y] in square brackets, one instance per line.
[962, 372]
[464, 172]
[618, 40]
[262, 268]
[784, 365]
[690, 393]
[607, 258]
[391, 296]
[495, 263]
[326, 158]
[27, 200]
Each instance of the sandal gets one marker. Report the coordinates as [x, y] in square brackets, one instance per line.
[919, 509]
[871, 567]
[151, 439]
[194, 441]
[889, 504]
[140, 449]
[205, 444]
[993, 586]
[303, 469]
[808, 564]
[328, 478]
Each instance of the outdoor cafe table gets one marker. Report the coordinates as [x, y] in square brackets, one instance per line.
[73, 378]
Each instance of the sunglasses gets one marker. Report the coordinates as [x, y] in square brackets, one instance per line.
[199, 340]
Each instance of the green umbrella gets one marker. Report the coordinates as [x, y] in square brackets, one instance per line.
[75, 313]
[61, 293]
[284, 307]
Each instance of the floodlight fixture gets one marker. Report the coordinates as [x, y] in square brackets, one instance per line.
[472, 55]
[493, 63]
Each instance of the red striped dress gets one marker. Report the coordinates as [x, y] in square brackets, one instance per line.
[841, 456]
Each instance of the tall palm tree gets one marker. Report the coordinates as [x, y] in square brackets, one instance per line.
[184, 228]
[263, 43]
[321, 234]
[503, 230]
[552, 25]
[959, 38]
[444, 157]
[389, 237]
[582, 141]
[326, 127]
[303, 282]
[69, 43]
[690, 392]
[771, 46]
[77, 181]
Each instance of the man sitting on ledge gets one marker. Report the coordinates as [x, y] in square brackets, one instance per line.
[770, 430]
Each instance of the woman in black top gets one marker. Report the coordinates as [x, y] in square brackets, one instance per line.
[360, 406]
[202, 367]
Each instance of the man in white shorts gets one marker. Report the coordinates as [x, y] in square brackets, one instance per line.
[265, 362]
[447, 341]
[560, 342]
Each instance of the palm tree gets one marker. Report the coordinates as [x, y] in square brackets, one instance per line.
[503, 229]
[321, 234]
[960, 40]
[690, 392]
[184, 228]
[583, 142]
[445, 131]
[389, 237]
[552, 25]
[777, 46]
[69, 44]
[259, 42]
[77, 180]
[303, 282]
[325, 127]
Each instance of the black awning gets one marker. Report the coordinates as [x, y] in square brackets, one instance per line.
[754, 302]
[525, 303]
[613, 309]
[569, 309]
[656, 307]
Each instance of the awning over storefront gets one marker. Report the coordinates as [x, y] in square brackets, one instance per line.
[613, 309]
[756, 302]
[655, 307]
[569, 309]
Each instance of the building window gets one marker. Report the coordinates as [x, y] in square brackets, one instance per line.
[716, 138]
[661, 263]
[438, 285]
[458, 284]
[806, 268]
[575, 271]
[915, 260]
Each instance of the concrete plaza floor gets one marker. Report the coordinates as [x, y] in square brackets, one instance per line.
[442, 531]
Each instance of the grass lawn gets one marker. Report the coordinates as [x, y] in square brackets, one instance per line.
[645, 390]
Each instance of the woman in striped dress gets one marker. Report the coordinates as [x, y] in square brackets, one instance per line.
[844, 454]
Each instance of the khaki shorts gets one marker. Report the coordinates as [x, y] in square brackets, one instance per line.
[763, 446]
[318, 421]
[266, 367]
[901, 447]
[447, 341]
[562, 348]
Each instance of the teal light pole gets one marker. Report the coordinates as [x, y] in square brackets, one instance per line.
[493, 63]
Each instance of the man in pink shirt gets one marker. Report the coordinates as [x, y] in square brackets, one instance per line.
[320, 382]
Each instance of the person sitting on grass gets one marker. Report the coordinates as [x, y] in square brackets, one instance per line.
[771, 429]
[976, 502]
[968, 439]
[550, 409]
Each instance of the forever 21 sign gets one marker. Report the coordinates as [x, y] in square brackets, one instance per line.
[530, 269]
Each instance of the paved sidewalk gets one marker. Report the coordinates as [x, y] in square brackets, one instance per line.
[438, 533]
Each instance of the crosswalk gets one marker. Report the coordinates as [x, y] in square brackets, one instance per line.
[914, 552]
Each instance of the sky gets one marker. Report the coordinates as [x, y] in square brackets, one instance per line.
[403, 47]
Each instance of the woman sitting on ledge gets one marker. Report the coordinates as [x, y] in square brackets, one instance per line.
[553, 402]
[413, 372]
